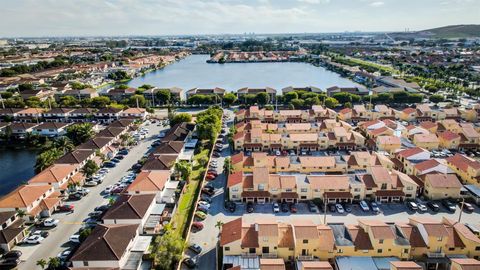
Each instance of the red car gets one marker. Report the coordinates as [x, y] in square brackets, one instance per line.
[293, 208]
[65, 208]
[210, 177]
[212, 172]
[197, 225]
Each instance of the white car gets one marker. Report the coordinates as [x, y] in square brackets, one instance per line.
[276, 208]
[340, 209]
[34, 239]
[203, 203]
[422, 207]
[50, 222]
[364, 206]
[64, 254]
[75, 238]
[108, 189]
[90, 184]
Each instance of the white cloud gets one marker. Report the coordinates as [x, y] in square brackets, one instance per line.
[377, 4]
[314, 1]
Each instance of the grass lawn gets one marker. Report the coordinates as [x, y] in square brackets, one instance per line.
[189, 196]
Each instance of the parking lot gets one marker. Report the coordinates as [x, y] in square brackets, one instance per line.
[70, 223]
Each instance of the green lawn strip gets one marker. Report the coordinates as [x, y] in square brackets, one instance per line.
[188, 197]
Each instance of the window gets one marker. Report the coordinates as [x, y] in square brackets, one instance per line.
[305, 241]
[339, 251]
[227, 248]
[356, 190]
[288, 190]
[380, 241]
[379, 250]
[405, 250]
[303, 190]
[409, 188]
[235, 189]
[261, 187]
[477, 248]
[384, 186]
[251, 250]
[439, 239]
[85, 263]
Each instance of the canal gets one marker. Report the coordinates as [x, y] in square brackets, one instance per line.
[194, 71]
[16, 167]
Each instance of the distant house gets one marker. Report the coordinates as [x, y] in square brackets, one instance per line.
[130, 209]
[149, 182]
[36, 201]
[388, 81]
[41, 94]
[57, 114]
[134, 113]
[176, 93]
[272, 93]
[51, 129]
[21, 129]
[112, 132]
[312, 89]
[81, 115]
[119, 94]
[56, 175]
[96, 143]
[206, 91]
[179, 132]
[77, 156]
[352, 90]
[12, 230]
[441, 186]
[78, 94]
[107, 115]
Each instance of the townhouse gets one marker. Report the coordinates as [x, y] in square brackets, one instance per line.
[21, 129]
[434, 243]
[405, 160]
[12, 230]
[51, 129]
[441, 186]
[57, 175]
[272, 93]
[119, 94]
[130, 209]
[107, 115]
[316, 113]
[134, 113]
[58, 114]
[176, 93]
[217, 91]
[466, 168]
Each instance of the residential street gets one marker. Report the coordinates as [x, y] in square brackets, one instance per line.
[69, 224]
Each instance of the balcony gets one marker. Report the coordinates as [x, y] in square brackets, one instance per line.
[249, 255]
[305, 258]
[435, 254]
[269, 255]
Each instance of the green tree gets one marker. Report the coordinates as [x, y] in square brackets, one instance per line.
[63, 144]
[25, 87]
[90, 168]
[47, 158]
[181, 118]
[229, 99]
[100, 102]
[168, 249]
[184, 169]
[227, 166]
[163, 96]
[54, 263]
[262, 98]
[68, 101]
[80, 133]
[331, 102]
[415, 98]
[84, 234]
[42, 263]
[137, 99]
[126, 139]
[33, 102]
[436, 98]
[290, 96]
[297, 103]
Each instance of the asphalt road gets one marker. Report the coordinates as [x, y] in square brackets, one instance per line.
[69, 224]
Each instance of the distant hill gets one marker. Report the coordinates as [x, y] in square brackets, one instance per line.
[451, 31]
[456, 31]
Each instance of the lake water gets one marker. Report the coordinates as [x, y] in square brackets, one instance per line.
[16, 167]
[193, 71]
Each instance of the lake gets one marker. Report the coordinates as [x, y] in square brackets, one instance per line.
[16, 167]
[194, 71]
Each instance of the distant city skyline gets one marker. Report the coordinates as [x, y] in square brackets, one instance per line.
[37, 18]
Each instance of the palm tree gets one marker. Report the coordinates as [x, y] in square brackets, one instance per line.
[21, 213]
[53, 263]
[90, 168]
[126, 139]
[63, 144]
[184, 169]
[219, 225]
[47, 158]
[42, 263]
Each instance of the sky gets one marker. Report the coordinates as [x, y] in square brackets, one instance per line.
[37, 18]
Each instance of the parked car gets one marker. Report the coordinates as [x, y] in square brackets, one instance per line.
[434, 206]
[50, 222]
[207, 191]
[332, 208]
[412, 205]
[293, 208]
[91, 184]
[190, 262]
[422, 207]
[74, 196]
[109, 164]
[206, 198]
[467, 207]
[202, 208]
[364, 206]
[75, 238]
[195, 248]
[200, 215]
[210, 177]
[34, 239]
[197, 225]
[276, 208]
[312, 207]
[102, 208]
[12, 254]
[115, 160]
[231, 206]
[65, 208]
[284, 207]
[347, 207]
[95, 214]
[83, 191]
[375, 207]
[449, 205]
[9, 263]
[43, 234]
[63, 256]
[339, 208]
[203, 203]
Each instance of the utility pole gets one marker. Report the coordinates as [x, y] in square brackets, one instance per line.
[137, 102]
[1, 100]
[324, 209]
[461, 210]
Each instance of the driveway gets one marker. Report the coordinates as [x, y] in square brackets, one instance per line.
[69, 224]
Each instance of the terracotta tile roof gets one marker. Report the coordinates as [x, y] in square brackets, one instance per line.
[53, 174]
[410, 152]
[267, 229]
[235, 179]
[380, 230]
[286, 239]
[151, 181]
[307, 161]
[462, 162]
[95, 143]
[304, 137]
[338, 195]
[75, 157]
[305, 229]
[425, 138]
[389, 193]
[237, 158]
[249, 237]
[462, 230]
[360, 237]
[326, 237]
[315, 265]
[134, 111]
[161, 162]
[427, 164]
[380, 174]
[448, 135]
[106, 243]
[325, 182]
[453, 238]
[171, 147]
[23, 196]
[388, 140]
[260, 175]
[413, 235]
[247, 181]
[231, 232]
[272, 264]
[368, 181]
[406, 265]
[433, 228]
[428, 124]
[255, 194]
[467, 263]
[409, 110]
[440, 180]
[129, 207]
[111, 132]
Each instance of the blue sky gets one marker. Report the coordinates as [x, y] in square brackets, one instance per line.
[166, 17]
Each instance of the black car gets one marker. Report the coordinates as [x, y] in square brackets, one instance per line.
[190, 263]
[216, 154]
[101, 208]
[434, 206]
[284, 207]
[250, 207]
[205, 197]
[230, 206]
[74, 196]
[115, 160]
[12, 254]
[208, 191]
[109, 164]
[123, 152]
[195, 248]
[312, 207]
[119, 157]
[332, 208]
[449, 205]
[9, 263]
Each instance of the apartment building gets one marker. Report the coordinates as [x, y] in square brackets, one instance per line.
[316, 113]
[466, 168]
